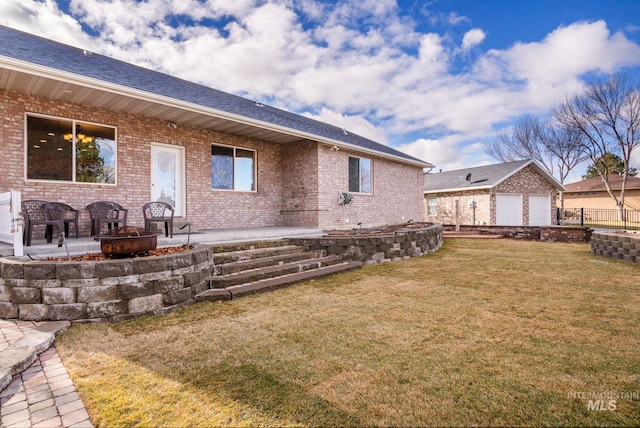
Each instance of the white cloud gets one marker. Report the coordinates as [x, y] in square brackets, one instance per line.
[44, 19]
[433, 151]
[357, 64]
[569, 52]
[471, 38]
[455, 19]
[354, 124]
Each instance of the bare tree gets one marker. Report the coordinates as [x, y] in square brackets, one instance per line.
[557, 148]
[523, 142]
[565, 146]
[607, 115]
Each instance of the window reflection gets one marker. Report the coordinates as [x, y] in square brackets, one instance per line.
[51, 155]
[232, 168]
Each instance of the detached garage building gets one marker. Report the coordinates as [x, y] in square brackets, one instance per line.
[519, 193]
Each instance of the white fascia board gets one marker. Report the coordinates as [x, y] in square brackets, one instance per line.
[458, 189]
[89, 82]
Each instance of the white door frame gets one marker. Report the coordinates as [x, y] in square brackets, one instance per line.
[179, 171]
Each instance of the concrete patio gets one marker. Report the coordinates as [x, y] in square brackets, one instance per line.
[83, 245]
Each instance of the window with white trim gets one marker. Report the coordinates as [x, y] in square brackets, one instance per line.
[233, 168]
[68, 150]
[360, 175]
[432, 205]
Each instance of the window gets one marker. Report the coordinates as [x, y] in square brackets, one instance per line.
[233, 168]
[432, 205]
[360, 179]
[68, 150]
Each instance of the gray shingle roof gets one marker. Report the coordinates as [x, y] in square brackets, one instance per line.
[482, 177]
[44, 52]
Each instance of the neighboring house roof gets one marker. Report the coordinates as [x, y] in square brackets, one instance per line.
[50, 69]
[481, 177]
[597, 185]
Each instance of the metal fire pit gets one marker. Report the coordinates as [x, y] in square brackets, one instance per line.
[127, 241]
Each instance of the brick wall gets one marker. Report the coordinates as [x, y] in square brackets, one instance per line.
[397, 192]
[300, 188]
[297, 184]
[527, 182]
[446, 212]
[536, 233]
[205, 207]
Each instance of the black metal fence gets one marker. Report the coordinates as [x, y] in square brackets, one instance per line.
[599, 218]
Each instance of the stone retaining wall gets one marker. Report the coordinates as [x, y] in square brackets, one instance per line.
[104, 290]
[536, 233]
[617, 245]
[119, 289]
[404, 243]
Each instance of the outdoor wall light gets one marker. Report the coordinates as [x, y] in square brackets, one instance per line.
[335, 148]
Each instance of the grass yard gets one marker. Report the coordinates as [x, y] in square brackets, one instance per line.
[483, 332]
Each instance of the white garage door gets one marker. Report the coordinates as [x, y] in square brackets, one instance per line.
[539, 210]
[509, 209]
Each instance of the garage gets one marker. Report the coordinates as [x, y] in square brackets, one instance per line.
[539, 210]
[514, 193]
[509, 209]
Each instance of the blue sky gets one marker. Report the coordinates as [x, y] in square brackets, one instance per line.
[435, 79]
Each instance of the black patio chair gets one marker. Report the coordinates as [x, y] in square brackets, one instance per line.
[36, 212]
[106, 212]
[158, 212]
[68, 214]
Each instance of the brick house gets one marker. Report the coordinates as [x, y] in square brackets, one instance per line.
[591, 193]
[519, 193]
[79, 127]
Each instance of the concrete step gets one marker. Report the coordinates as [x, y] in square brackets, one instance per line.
[251, 275]
[236, 255]
[273, 283]
[254, 263]
[249, 245]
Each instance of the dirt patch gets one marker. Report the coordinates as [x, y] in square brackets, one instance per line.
[380, 230]
[95, 257]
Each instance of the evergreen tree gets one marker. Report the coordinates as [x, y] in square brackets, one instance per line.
[610, 163]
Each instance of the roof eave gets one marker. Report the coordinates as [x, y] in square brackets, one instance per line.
[102, 85]
[459, 189]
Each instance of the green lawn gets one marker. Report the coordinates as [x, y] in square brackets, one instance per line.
[483, 332]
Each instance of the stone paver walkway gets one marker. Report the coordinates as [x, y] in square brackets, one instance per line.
[43, 395]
